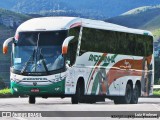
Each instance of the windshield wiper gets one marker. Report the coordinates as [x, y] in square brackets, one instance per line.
[29, 60]
[33, 58]
[41, 56]
[44, 63]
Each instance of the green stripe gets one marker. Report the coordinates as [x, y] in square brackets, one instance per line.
[96, 81]
[91, 73]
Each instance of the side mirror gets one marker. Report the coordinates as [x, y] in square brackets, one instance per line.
[5, 44]
[65, 44]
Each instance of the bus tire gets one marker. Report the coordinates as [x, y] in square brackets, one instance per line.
[125, 99]
[32, 99]
[89, 100]
[135, 95]
[75, 98]
[128, 95]
[117, 100]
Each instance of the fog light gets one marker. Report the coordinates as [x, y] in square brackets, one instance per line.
[15, 89]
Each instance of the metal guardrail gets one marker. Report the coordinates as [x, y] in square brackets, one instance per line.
[156, 87]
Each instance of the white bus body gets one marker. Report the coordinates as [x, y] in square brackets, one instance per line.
[100, 60]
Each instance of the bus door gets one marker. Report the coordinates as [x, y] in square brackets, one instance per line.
[70, 60]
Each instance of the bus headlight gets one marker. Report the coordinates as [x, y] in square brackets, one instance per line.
[15, 80]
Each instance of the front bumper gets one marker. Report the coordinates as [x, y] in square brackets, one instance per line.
[44, 90]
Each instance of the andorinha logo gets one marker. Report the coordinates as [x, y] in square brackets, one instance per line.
[107, 59]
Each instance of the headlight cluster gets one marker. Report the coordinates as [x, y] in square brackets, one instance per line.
[15, 80]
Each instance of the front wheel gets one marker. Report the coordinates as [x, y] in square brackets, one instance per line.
[32, 99]
[75, 98]
[78, 97]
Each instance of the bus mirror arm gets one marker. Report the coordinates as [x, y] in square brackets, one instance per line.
[65, 44]
[68, 63]
[5, 44]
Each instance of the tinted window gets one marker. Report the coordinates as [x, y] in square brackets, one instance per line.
[45, 38]
[72, 49]
[104, 41]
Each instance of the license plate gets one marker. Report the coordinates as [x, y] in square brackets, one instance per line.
[35, 90]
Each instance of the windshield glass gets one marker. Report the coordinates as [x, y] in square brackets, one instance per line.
[38, 51]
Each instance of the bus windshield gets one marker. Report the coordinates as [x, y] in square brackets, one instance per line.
[38, 51]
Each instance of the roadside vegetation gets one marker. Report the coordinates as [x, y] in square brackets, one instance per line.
[156, 34]
[5, 91]
[156, 92]
[157, 71]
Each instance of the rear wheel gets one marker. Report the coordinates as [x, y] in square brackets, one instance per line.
[135, 95]
[32, 99]
[125, 99]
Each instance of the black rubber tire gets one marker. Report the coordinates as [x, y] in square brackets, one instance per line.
[125, 99]
[32, 99]
[89, 100]
[117, 100]
[78, 95]
[128, 95]
[135, 95]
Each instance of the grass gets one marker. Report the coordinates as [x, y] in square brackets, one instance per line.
[156, 34]
[5, 91]
[156, 92]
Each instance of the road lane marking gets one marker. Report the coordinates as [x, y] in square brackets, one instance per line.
[156, 106]
[19, 118]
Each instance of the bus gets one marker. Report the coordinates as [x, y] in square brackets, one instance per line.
[87, 60]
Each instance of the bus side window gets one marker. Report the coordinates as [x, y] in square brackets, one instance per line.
[72, 48]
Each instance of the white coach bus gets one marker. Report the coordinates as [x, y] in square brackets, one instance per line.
[87, 60]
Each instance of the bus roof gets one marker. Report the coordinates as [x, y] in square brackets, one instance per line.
[64, 23]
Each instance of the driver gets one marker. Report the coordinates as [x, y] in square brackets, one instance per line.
[58, 63]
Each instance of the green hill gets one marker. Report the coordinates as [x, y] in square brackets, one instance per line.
[147, 17]
[152, 24]
[139, 17]
[9, 21]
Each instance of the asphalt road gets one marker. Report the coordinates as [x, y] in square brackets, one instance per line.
[57, 104]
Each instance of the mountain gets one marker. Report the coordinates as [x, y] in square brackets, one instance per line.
[71, 13]
[147, 17]
[96, 9]
[142, 17]
[9, 21]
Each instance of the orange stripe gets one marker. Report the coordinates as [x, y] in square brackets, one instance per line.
[114, 73]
